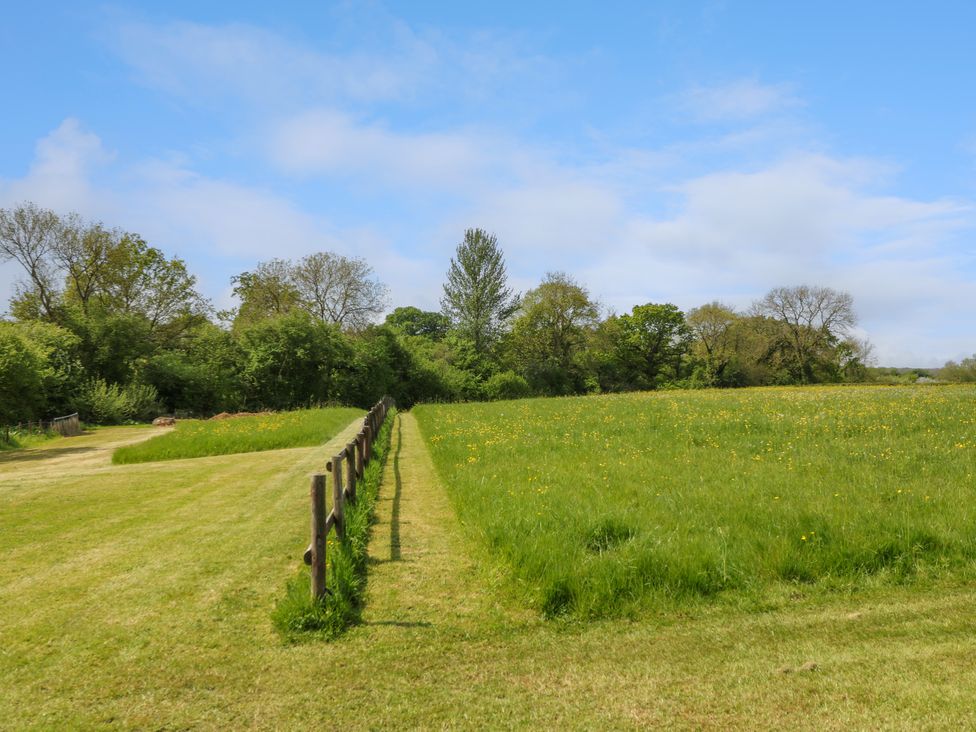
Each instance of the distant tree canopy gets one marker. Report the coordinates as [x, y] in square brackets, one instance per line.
[965, 370]
[329, 287]
[413, 321]
[549, 335]
[106, 324]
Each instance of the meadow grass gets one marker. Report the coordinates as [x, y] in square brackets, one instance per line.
[20, 441]
[603, 506]
[275, 431]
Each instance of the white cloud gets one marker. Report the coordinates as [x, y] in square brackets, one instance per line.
[737, 101]
[205, 62]
[60, 172]
[328, 142]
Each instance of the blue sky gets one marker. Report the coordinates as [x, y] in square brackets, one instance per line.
[658, 152]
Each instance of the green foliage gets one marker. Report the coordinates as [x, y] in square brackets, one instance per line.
[964, 371]
[550, 333]
[604, 506]
[413, 321]
[506, 385]
[477, 298]
[202, 377]
[201, 438]
[297, 616]
[650, 345]
[22, 373]
[327, 286]
[290, 361]
[99, 402]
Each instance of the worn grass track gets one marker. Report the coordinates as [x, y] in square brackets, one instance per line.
[143, 602]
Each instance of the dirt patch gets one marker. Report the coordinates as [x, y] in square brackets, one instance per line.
[235, 415]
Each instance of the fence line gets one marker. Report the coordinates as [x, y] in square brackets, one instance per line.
[69, 426]
[346, 468]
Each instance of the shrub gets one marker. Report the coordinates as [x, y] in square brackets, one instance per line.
[506, 385]
[102, 403]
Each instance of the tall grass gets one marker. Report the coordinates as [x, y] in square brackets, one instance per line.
[605, 505]
[200, 438]
[297, 615]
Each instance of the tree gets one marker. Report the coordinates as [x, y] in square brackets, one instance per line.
[653, 338]
[965, 370]
[413, 321]
[267, 292]
[292, 361]
[476, 295]
[139, 280]
[22, 375]
[82, 252]
[550, 332]
[715, 344]
[28, 235]
[813, 321]
[338, 289]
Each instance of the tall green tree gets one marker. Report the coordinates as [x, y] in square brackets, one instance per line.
[477, 298]
[549, 334]
[653, 339]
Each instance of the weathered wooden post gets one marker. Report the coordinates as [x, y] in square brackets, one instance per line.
[319, 531]
[337, 496]
[351, 471]
[360, 441]
[368, 453]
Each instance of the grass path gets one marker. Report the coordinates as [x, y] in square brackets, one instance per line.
[90, 450]
[422, 575]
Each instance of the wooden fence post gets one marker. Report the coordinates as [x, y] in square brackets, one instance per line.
[351, 471]
[337, 496]
[319, 531]
[360, 439]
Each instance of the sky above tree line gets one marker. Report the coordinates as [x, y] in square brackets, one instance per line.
[657, 152]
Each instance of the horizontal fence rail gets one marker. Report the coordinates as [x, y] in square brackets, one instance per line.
[347, 469]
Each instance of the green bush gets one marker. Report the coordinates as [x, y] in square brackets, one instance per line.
[506, 385]
[102, 403]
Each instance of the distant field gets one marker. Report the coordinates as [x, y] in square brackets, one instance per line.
[601, 506]
[200, 438]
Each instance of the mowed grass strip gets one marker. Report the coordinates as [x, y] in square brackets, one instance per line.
[604, 506]
[275, 431]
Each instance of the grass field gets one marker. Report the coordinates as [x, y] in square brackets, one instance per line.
[604, 506]
[201, 438]
[139, 597]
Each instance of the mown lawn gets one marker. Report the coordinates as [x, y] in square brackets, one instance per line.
[610, 505]
[275, 431]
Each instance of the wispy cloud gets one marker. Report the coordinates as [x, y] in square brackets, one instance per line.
[737, 101]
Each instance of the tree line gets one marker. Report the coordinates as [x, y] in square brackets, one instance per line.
[105, 324]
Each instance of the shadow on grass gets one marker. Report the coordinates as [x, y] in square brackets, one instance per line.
[26, 454]
[400, 623]
[398, 487]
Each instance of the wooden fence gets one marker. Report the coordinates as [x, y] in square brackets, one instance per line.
[347, 468]
[69, 426]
